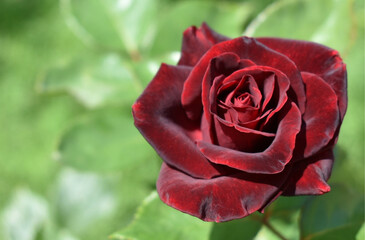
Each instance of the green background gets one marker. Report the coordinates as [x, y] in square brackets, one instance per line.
[72, 165]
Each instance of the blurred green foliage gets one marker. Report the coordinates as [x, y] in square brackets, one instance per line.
[72, 166]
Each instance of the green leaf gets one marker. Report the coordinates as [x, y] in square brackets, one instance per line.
[361, 234]
[286, 223]
[283, 215]
[226, 18]
[326, 21]
[83, 199]
[128, 25]
[155, 220]
[66, 235]
[25, 216]
[244, 229]
[107, 143]
[285, 207]
[94, 80]
[90, 205]
[105, 140]
[335, 215]
[266, 234]
[33, 122]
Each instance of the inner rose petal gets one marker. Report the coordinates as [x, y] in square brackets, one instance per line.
[222, 65]
[243, 100]
[200, 79]
[243, 91]
[247, 140]
[270, 161]
[243, 103]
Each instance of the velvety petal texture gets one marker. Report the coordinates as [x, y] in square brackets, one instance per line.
[159, 116]
[270, 161]
[220, 199]
[320, 120]
[241, 121]
[309, 177]
[196, 41]
[245, 48]
[324, 62]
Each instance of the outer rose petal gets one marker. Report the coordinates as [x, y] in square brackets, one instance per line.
[270, 161]
[245, 48]
[309, 177]
[159, 116]
[318, 59]
[321, 118]
[196, 41]
[219, 199]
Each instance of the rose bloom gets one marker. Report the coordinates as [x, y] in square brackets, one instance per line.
[239, 122]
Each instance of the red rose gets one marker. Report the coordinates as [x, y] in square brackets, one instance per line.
[239, 122]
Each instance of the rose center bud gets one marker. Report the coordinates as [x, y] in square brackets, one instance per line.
[239, 100]
[245, 107]
[242, 100]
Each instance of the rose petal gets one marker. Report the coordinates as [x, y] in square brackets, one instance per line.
[219, 67]
[196, 41]
[209, 95]
[229, 137]
[268, 91]
[160, 118]
[245, 94]
[242, 128]
[219, 199]
[253, 124]
[317, 59]
[245, 48]
[270, 161]
[234, 137]
[320, 119]
[243, 110]
[309, 177]
[223, 64]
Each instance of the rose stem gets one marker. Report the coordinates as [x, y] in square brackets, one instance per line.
[265, 221]
[276, 232]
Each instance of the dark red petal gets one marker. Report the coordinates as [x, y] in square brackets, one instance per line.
[267, 85]
[233, 110]
[160, 118]
[210, 108]
[245, 93]
[245, 48]
[268, 91]
[320, 119]
[253, 124]
[270, 161]
[219, 67]
[196, 41]
[234, 137]
[219, 199]
[207, 131]
[242, 128]
[309, 177]
[223, 64]
[317, 59]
